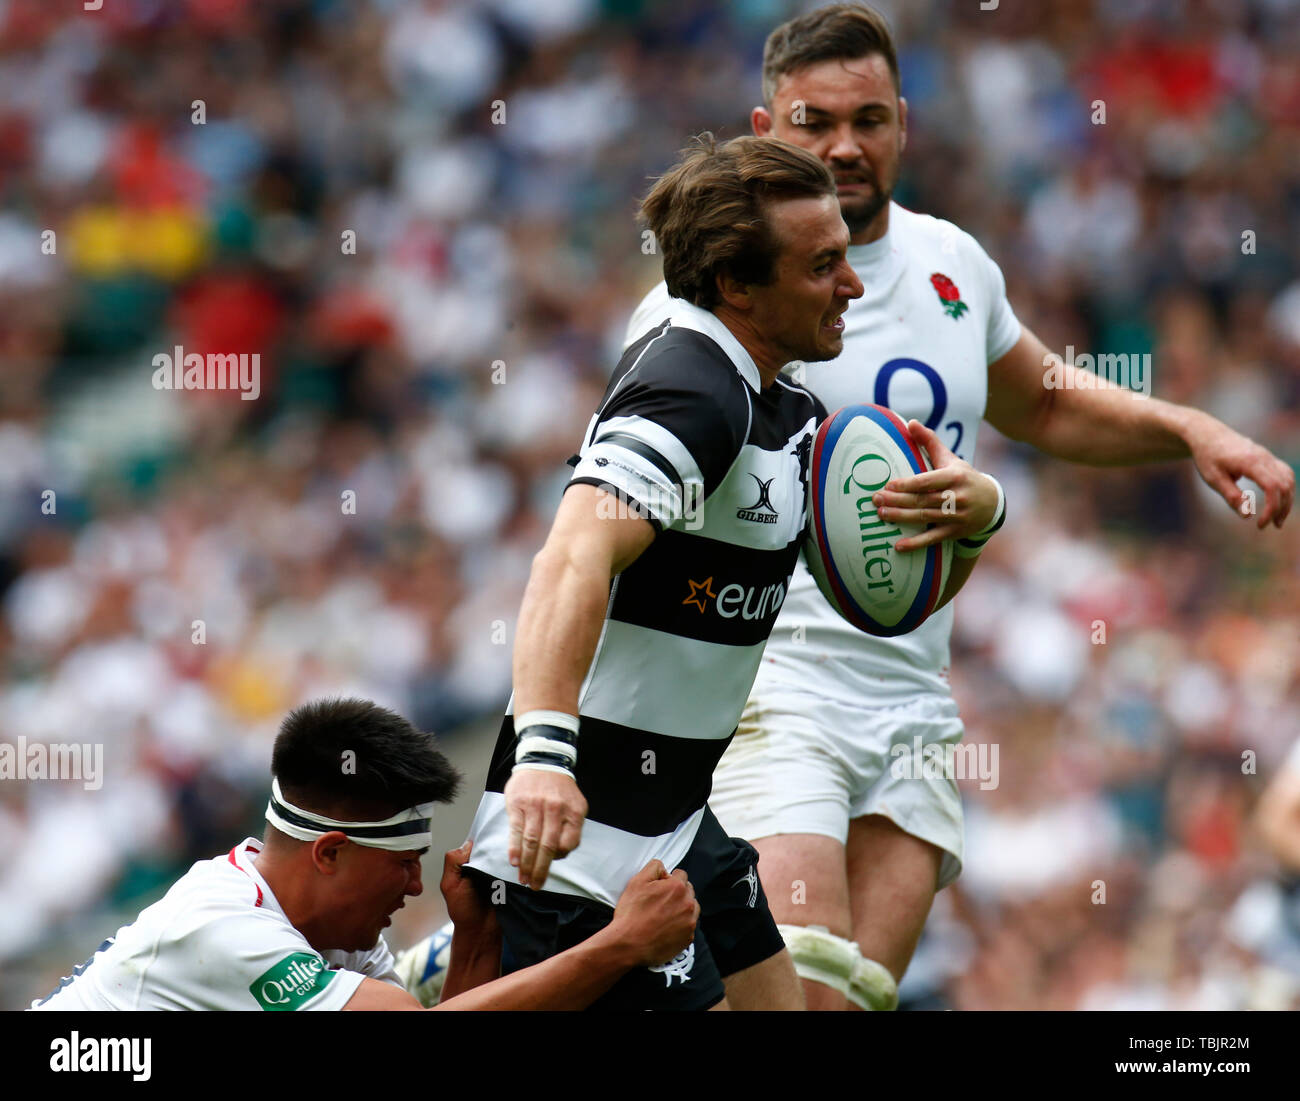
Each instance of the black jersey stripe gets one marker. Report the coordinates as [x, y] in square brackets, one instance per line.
[685, 384]
[772, 433]
[635, 781]
[699, 588]
[624, 439]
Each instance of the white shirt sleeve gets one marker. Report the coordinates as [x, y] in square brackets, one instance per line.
[378, 963]
[1003, 326]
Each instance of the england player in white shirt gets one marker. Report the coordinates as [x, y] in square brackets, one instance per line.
[807, 778]
[295, 922]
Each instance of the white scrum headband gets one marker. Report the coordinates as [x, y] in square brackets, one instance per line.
[407, 829]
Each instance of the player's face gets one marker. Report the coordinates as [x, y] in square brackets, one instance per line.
[372, 884]
[848, 114]
[799, 313]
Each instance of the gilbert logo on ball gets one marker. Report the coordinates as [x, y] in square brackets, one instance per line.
[851, 552]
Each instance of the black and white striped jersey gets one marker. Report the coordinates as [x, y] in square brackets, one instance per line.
[685, 435]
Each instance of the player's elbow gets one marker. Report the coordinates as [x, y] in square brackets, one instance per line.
[1036, 421]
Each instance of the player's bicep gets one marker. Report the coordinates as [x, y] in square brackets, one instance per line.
[1018, 399]
[375, 995]
[597, 526]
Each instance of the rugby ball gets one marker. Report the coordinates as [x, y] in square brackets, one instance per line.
[850, 549]
[422, 968]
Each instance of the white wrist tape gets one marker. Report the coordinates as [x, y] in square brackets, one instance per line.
[547, 741]
[539, 743]
[971, 546]
[561, 719]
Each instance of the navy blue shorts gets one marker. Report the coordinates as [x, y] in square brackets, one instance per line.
[735, 931]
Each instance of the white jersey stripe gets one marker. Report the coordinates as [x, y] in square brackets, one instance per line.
[690, 689]
[597, 869]
[658, 437]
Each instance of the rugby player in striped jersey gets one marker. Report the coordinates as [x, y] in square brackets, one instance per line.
[808, 777]
[647, 610]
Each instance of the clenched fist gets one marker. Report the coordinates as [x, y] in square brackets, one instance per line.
[656, 914]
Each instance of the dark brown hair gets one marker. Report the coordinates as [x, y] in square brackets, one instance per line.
[709, 213]
[394, 764]
[840, 32]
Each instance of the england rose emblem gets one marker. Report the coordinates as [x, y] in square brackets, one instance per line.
[949, 295]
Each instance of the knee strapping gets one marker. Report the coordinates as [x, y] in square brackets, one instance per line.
[820, 956]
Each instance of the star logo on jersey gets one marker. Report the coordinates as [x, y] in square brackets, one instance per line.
[678, 967]
[698, 587]
[750, 878]
[755, 512]
[949, 295]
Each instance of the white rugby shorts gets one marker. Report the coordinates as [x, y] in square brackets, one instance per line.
[803, 763]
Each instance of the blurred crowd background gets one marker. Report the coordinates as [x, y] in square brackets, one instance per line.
[197, 575]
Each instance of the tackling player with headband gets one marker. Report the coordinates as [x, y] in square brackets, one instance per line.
[296, 922]
[806, 778]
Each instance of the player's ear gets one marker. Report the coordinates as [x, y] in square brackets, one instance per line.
[326, 850]
[760, 121]
[902, 124]
[733, 291]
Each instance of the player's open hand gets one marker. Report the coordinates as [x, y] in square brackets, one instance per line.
[955, 497]
[1222, 456]
[546, 812]
[656, 914]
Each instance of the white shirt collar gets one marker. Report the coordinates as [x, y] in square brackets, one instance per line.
[689, 316]
[242, 858]
[877, 262]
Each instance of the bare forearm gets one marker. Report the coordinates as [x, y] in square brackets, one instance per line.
[559, 626]
[1084, 418]
[958, 574]
[572, 980]
[475, 960]
[1111, 426]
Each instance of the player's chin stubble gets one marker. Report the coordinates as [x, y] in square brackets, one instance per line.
[862, 213]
